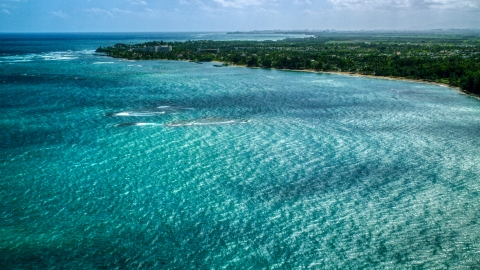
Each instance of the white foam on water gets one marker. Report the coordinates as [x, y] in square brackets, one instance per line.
[50, 56]
[122, 114]
[101, 63]
[174, 109]
[17, 61]
[16, 58]
[206, 122]
[137, 124]
[138, 114]
[141, 124]
[58, 56]
[87, 52]
[210, 123]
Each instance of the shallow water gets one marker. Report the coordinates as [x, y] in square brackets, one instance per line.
[108, 163]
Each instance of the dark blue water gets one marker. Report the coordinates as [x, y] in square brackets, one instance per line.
[21, 43]
[108, 163]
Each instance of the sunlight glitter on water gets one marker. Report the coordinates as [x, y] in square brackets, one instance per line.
[223, 168]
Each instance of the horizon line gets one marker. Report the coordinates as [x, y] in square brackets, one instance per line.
[246, 31]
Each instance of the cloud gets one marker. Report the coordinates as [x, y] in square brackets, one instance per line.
[263, 10]
[225, 8]
[406, 4]
[117, 12]
[369, 4]
[150, 12]
[311, 12]
[239, 3]
[138, 2]
[123, 11]
[301, 2]
[60, 14]
[200, 5]
[98, 11]
[453, 4]
[8, 5]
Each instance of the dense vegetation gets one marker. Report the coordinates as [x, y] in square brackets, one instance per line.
[450, 59]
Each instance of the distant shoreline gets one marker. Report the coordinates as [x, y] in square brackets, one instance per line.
[404, 79]
[344, 73]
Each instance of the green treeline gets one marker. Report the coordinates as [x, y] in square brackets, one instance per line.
[454, 63]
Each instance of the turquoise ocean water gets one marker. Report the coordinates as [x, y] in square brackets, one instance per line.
[114, 164]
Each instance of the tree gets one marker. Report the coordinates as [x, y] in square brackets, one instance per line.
[267, 62]
[236, 58]
[253, 61]
[453, 79]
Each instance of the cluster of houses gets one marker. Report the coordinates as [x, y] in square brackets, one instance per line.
[166, 48]
[155, 49]
[199, 50]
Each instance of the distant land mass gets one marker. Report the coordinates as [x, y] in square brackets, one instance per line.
[389, 32]
[450, 57]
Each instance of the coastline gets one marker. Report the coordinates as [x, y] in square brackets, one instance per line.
[344, 73]
[458, 89]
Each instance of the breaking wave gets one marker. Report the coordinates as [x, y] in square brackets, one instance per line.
[137, 114]
[50, 56]
[165, 109]
[138, 124]
[206, 122]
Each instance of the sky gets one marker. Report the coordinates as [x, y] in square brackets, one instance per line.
[234, 15]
